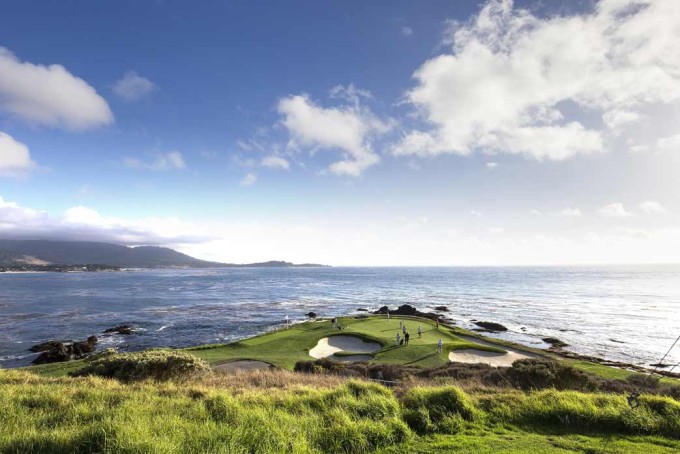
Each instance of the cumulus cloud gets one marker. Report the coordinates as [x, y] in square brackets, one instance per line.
[348, 128]
[614, 210]
[85, 224]
[652, 207]
[516, 83]
[49, 95]
[132, 86]
[15, 158]
[406, 31]
[568, 213]
[249, 180]
[668, 144]
[491, 165]
[275, 162]
[172, 160]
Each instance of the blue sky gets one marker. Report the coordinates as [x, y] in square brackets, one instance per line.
[349, 133]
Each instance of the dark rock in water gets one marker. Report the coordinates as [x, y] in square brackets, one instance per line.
[555, 342]
[523, 328]
[441, 308]
[82, 348]
[311, 314]
[58, 354]
[362, 309]
[617, 341]
[120, 329]
[65, 351]
[659, 365]
[46, 346]
[491, 326]
[405, 309]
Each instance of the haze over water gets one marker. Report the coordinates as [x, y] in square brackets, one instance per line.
[627, 313]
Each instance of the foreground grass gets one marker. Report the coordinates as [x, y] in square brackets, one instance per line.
[263, 412]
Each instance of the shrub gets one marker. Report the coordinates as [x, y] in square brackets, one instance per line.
[443, 410]
[536, 374]
[149, 365]
[320, 366]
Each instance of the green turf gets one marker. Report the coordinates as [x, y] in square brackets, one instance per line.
[494, 440]
[285, 347]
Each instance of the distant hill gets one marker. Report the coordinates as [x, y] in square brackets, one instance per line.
[43, 252]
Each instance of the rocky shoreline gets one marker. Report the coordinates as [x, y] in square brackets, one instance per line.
[556, 348]
[28, 268]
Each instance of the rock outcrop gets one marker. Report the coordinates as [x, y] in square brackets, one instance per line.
[120, 329]
[491, 326]
[59, 351]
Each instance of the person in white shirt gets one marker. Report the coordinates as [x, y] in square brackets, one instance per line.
[420, 331]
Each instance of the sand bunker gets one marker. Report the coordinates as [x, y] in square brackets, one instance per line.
[328, 346]
[245, 364]
[493, 359]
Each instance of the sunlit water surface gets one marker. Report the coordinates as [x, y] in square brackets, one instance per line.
[624, 313]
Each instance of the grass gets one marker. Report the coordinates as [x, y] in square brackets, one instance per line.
[279, 411]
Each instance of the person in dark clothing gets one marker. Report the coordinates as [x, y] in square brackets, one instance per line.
[407, 336]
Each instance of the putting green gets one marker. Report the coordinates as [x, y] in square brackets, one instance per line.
[285, 347]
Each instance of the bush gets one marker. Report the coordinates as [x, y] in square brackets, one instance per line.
[149, 365]
[320, 366]
[537, 374]
[442, 410]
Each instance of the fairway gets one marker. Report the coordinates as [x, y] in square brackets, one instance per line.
[285, 347]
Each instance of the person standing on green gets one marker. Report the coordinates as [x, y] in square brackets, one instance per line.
[440, 346]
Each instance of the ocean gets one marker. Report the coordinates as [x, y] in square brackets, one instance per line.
[623, 313]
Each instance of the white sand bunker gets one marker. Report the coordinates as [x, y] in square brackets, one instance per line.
[242, 365]
[329, 346]
[493, 359]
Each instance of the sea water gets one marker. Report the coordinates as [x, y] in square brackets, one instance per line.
[625, 313]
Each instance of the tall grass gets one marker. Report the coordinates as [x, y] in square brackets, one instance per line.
[277, 412]
[98, 415]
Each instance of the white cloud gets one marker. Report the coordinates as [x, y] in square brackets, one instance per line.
[171, 160]
[669, 144]
[652, 207]
[349, 128]
[614, 210]
[476, 214]
[496, 230]
[132, 86]
[49, 95]
[85, 224]
[275, 162]
[406, 31]
[568, 213]
[515, 83]
[491, 165]
[15, 159]
[616, 119]
[249, 180]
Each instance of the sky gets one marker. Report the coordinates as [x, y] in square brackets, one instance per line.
[425, 133]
